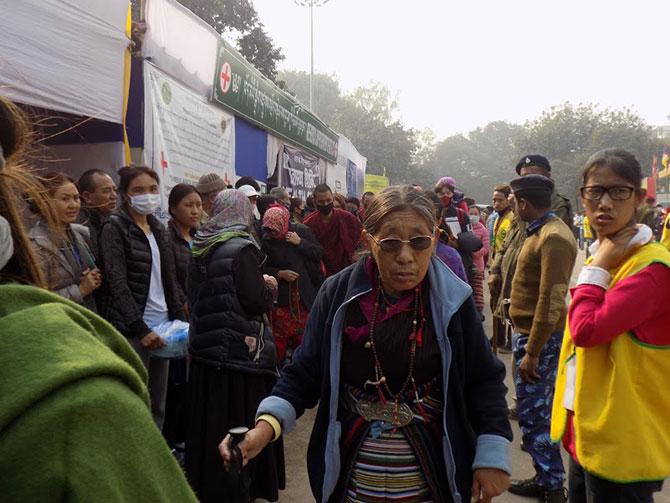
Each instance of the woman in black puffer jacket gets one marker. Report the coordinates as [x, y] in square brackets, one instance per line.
[141, 290]
[233, 355]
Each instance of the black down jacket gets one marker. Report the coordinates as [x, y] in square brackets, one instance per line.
[222, 333]
[126, 264]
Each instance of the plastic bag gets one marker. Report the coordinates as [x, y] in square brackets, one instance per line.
[175, 335]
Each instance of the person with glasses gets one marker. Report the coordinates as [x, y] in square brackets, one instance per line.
[411, 401]
[611, 409]
[537, 309]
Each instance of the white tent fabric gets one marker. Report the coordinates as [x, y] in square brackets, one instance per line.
[64, 55]
[347, 151]
[336, 178]
[181, 44]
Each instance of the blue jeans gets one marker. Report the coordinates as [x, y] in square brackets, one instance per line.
[534, 402]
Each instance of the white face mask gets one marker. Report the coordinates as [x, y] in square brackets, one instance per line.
[145, 204]
[474, 219]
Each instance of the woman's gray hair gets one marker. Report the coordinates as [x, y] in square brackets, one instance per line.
[397, 198]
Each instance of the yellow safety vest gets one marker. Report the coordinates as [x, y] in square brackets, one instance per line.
[622, 397]
[500, 230]
[665, 237]
[588, 233]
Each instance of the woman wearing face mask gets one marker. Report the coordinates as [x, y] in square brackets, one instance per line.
[65, 254]
[139, 268]
[478, 258]
[611, 405]
[293, 257]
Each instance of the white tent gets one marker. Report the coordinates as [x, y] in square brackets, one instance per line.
[65, 55]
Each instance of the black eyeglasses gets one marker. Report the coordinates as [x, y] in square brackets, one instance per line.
[616, 193]
[417, 243]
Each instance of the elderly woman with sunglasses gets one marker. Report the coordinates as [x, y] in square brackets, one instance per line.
[411, 400]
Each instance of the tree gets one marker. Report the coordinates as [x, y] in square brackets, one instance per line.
[237, 19]
[367, 116]
[569, 134]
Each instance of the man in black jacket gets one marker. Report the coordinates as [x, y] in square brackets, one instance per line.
[99, 195]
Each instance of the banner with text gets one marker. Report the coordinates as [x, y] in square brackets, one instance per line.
[186, 137]
[238, 86]
[300, 172]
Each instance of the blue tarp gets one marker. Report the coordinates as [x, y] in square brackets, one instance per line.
[251, 144]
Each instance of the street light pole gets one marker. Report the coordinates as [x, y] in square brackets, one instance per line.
[311, 4]
[311, 51]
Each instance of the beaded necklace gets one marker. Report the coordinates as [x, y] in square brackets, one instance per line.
[416, 336]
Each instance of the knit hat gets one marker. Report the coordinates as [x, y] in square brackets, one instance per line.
[211, 182]
[447, 180]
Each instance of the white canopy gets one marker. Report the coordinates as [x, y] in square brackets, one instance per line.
[64, 55]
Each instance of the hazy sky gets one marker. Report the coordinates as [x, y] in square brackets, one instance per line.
[459, 64]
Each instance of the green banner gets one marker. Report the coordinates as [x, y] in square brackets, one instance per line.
[239, 87]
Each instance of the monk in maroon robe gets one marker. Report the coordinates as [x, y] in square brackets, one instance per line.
[337, 230]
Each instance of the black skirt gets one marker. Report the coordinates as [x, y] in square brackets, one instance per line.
[221, 399]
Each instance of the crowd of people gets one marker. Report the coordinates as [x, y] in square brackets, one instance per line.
[370, 309]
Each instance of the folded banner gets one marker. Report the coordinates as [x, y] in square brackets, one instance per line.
[185, 136]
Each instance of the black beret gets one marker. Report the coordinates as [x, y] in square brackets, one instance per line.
[532, 183]
[532, 160]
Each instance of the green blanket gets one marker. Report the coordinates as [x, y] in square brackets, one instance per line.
[75, 423]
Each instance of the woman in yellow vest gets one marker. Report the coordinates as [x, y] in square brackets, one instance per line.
[611, 406]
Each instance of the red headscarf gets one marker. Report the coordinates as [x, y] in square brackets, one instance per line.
[276, 218]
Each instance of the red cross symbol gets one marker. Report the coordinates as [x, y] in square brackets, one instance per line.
[164, 163]
[225, 77]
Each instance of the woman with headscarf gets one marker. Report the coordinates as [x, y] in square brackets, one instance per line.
[233, 355]
[293, 257]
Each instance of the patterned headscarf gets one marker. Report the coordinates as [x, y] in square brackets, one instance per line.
[231, 217]
[276, 218]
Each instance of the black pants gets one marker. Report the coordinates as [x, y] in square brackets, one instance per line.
[587, 488]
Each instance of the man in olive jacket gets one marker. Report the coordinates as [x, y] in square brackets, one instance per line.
[503, 266]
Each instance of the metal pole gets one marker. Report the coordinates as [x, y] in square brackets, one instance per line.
[311, 73]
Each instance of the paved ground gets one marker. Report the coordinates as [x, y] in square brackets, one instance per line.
[297, 489]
